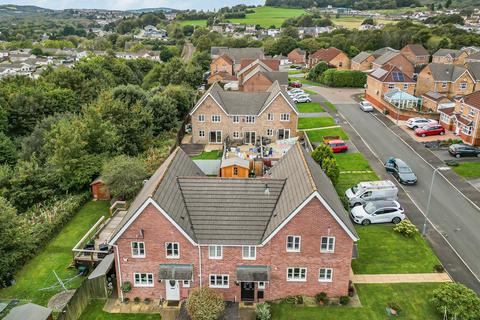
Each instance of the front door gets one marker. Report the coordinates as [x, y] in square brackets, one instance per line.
[248, 291]
[173, 290]
[249, 137]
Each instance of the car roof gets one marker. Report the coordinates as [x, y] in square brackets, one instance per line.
[385, 203]
[336, 141]
[400, 162]
[461, 145]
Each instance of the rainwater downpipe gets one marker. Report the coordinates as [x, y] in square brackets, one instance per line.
[199, 266]
[117, 256]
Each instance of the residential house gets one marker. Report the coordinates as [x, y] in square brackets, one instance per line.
[237, 54]
[475, 57]
[332, 56]
[283, 59]
[297, 56]
[283, 234]
[449, 56]
[29, 311]
[474, 69]
[313, 31]
[379, 52]
[395, 59]
[466, 118]
[449, 79]
[221, 69]
[244, 117]
[151, 32]
[273, 32]
[362, 61]
[258, 75]
[434, 100]
[416, 54]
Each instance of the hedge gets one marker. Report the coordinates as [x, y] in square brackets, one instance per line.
[344, 78]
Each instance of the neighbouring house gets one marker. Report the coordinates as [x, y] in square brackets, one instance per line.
[244, 117]
[447, 118]
[283, 59]
[362, 61]
[221, 69]
[379, 52]
[259, 75]
[449, 79]
[332, 56]
[475, 57]
[396, 59]
[251, 240]
[237, 54]
[433, 100]
[29, 311]
[416, 54]
[449, 56]
[99, 190]
[297, 56]
[474, 69]
[234, 167]
[466, 119]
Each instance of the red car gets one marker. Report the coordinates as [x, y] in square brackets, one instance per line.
[430, 130]
[295, 84]
[338, 146]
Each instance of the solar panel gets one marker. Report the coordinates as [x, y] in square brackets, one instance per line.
[398, 76]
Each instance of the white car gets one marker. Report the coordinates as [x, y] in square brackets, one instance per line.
[366, 106]
[301, 99]
[414, 123]
[296, 91]
[385, 211]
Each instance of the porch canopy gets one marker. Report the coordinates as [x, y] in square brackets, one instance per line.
[175, 272]
[253, 273]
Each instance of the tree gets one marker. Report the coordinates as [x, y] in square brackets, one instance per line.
[8, 151]
[165, 114]
[331, 169]
[315, 74]
[37, 51]
[183, 97]
[168, 52]
[322, 152]
[130, 94]
[457, 300]
[205, 304]
[368, 21]
[124, 176]
[290, 32]
[448, 3]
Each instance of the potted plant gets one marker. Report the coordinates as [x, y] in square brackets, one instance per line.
[126, 300]
[137, 300]
[147, 300]
[126, 286]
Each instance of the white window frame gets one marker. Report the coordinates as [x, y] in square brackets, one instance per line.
[138, 255]
[236, 119]
[201, 118]
[405, 86]
[444, 85]
[391, 86]
[250, 251]
[149, 280]
[444, 118]
[471, 112]
[215, 117]
[172, 256]
[285, 117]
[327, 249]
[269, 132]
[201, 133]
[270, 117]
[463, 85]
[236, 135]
[325, 278]
[216, 256]
[261, 285]
[186, 283]
[222, 278]
[299, 243]
[250, 119]
[469, 130]
[299, 278]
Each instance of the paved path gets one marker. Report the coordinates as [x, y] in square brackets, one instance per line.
[335, 95]
[187, 51]
[401, 278]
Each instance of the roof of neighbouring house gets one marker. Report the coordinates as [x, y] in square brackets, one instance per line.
[299, 51]
[382, 51]
[29, 311]
[362, 56]
[226, 58]
[385, 58]
[237, 54]
[472, 99]
[475, 56]
[418, 49]
[390, 73]
[464, 121]
[474, 69]
[447, 111]
[214, 210]
[435, 96]
[446, 72]
[273, 64]
[445, 52]
[396, 94]
[326, 54]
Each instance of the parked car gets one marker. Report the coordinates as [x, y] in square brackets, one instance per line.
[337, 145]
[371, 191]
[430, 129]
[401, 171]
[384, 211]
[295, 91]
[295, 84]
[463, 150]
[366, 106]
[414, 123]
[301, 99]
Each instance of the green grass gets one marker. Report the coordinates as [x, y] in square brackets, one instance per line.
[317, 135]
[413, 299]
[310, 91]
[295, 71]
[352, 22]
[316, 122]
[94, 312]
[330, 106]
[269, 16]
[352, 162]
[346, 181]
[57, 255]
[310, 106]
[384, 251]
[202, 23]
[209, 155]
[468, 169]
[307, 82]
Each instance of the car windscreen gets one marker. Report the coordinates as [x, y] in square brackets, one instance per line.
[404, 170]
[370, 207]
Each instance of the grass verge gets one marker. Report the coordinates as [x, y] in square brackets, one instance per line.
[317, 135]
[56, 255]
[330, 106]
[468, 169]
[94, 311]
[310, 107]
[316, 122]
[209, 155]
[352, 162]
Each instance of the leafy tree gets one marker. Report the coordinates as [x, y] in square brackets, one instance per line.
[368, 21]
[310, 45]
[124, 176]
[37, 51]
[183, 98]
[202, 59]
[165, 114]
[168, 52]
[290, 32]
[331, 169]
[458, 301]
[205, 304]
[130, 95]
[448, 3]
[315, 74]
[322, 152]
[8, 151]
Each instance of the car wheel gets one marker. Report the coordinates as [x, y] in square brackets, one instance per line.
[414, 127]
[396, 220]
[366, 222]
[457, 155]
[423, 135]
[442, 133]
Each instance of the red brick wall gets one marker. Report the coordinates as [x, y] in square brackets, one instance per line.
[295, 57]
[256, 83]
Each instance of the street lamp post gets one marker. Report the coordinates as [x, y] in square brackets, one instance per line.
[424, 230]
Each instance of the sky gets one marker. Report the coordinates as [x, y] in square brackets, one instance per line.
[132, 4]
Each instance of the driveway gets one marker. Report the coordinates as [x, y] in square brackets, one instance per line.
[336, 95]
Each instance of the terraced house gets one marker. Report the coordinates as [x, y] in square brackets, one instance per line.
[244, 117]
[286, 233]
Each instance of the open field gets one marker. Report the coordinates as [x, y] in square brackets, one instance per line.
[57, 255]
[413, 299]
[352, 22]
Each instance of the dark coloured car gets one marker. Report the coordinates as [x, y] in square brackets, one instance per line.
[463, 150]
[401, 171]
[295, 84]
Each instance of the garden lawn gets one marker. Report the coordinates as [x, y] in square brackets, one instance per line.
[384, 251]
[295, 71]
[309, 106]
[468, 169]
[316, 122]
[317, 135]
[269, 16]
[209, 155]
[413, 299]
[307, 82]
[352, 162]
[57, 255]
[94, 312]
[330, 106]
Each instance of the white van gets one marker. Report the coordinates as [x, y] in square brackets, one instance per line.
[371, 191]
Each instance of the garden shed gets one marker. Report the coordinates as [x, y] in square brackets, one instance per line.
[99, 190]
[235, 168]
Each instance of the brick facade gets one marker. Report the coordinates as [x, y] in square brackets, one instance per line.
[364, 65]
[256, 83]
[400, 62]
[297, 57]
[311, 223]
[448, 59]
[413, 57]
[426, 82]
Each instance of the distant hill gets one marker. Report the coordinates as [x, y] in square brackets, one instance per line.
[10, 10]
[142, 10]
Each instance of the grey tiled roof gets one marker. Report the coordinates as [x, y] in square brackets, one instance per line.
[237, 54]
[446, 72]
[362, 56]
[384, 58]
[382, 51]
[444, 52]
[474, 68]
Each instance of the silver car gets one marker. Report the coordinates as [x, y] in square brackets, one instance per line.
[366, 106]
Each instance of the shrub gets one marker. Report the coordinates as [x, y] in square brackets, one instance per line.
[263, 311]
[126, 286]
[126, 300]
[406, 228]
[298, 299]
[322, 152]
[439, 268]
[321, 297]
[317, 71]
[344, 300]
[289, 300]
[205, 304]
[330, 166]
[344, 78]
[457, 300]
[124, 176]
[137, 300]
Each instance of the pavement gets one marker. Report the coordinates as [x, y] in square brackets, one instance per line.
[187, 51]
[400, 278]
